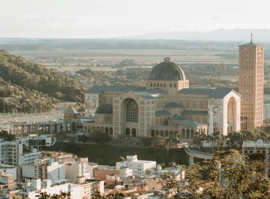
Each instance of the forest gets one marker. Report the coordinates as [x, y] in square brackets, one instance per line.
[32, 76]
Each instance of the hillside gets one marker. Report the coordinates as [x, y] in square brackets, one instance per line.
[32, 76]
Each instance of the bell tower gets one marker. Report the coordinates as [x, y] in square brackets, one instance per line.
[251, 80]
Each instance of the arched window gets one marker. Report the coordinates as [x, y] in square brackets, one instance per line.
[174, 85]
[160, 84]
[132, 111]
[205, 120]
[151, 85]
[164, 85]
[183, 134]
[162, 133]
[201, 105]
[192, 134]
[157, 84]
[154, 84]
[197, 119]
[187, 134]
[170, 85]
[166, 134]
[175, 115]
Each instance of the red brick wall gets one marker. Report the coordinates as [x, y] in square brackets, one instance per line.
[101, 174]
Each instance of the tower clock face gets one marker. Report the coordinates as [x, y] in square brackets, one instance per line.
[133, 106]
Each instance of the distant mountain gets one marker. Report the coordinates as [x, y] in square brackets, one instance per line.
[242, 35]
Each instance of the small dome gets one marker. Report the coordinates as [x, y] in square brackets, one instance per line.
[70, 109]
[168, 71]
[105, 109]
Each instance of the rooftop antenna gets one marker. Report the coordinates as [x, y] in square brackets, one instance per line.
[251, 38]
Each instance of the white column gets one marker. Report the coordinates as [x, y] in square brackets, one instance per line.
[210, 131]
[191, 160]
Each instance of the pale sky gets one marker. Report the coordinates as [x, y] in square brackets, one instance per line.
[124, 18]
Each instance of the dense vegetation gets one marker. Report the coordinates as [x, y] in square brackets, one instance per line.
[36, 77]
[15, 98]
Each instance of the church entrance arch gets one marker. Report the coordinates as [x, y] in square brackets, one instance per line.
[127, 132]
[231, 118]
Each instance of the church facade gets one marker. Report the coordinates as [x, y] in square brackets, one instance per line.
[165, 107]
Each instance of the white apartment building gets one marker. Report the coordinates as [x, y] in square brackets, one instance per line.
[138, 167]
[44, 168]
[77, 191]
[9, 152]
[125, 172]
[9, 170]
[76, 170]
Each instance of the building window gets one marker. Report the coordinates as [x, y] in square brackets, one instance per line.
[164, 85]
[192, 134]
[170, 85]
[194, 104]
[187, 104]
[174, 85]
[161, 85]
[157, 84]
[201, 105]
[183, 134]
[175, 115]
[132, 111]
[151, 85]
[187, 135]
[154, 84]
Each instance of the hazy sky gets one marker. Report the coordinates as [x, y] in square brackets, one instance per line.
[123, 18]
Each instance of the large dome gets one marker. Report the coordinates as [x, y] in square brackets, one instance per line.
[168, 71]
[70, 109]
[105, 109]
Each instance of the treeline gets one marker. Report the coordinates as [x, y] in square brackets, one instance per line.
[15, 98]
[33, 76]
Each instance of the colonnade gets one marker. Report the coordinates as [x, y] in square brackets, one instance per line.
[42, 128]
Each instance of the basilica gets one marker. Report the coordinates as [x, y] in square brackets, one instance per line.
[165, 107]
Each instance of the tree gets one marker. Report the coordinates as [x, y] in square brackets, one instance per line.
[199, 139]
[147, 141]
[83, 138]
[100, 138]
[45, 195]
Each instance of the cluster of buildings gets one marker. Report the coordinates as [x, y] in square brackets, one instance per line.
[55, 172]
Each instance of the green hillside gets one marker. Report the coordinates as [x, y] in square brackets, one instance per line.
[32, 76]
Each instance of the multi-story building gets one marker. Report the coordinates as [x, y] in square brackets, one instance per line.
[251, 80]
[44, 168]
[258, 146]
[165, 107]
[6, 180]
[9, 152]
[138, 167]
[76, 170]
[60, 156]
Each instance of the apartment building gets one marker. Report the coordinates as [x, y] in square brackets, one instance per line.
[258, 146]
[138, 167]
[44, 168]
[76, 170]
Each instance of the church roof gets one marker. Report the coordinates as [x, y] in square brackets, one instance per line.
[70, 109]
[177, 118]
[193, 124]
[162, 112]
[174, 105]
[152, 91]
[168, 71]
[251, 45]
[105, 109]
[98, 89]
[193, 112]
[213, 93]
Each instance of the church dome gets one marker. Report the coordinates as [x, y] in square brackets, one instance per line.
[168, 71]
[105, 109]
[70, 109]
